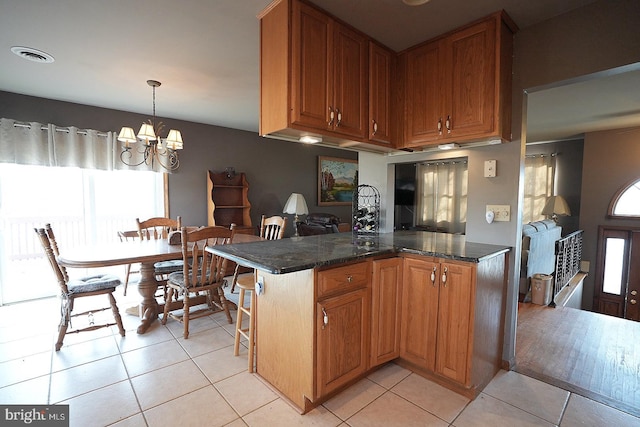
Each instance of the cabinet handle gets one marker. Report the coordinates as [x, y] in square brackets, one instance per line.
[325, 318]
[331, 116]
[634, 292]
[339, 114]
[444, 276]
[375, 127]
[448, 124]
[349, 278]
[440, 126]
[633, 301]
[433, 276]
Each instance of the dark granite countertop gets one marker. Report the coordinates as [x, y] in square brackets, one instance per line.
[302, 253]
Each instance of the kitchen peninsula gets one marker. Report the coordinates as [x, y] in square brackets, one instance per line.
[334, 307]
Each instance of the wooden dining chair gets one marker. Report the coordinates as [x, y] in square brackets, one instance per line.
[128, 236]
[203, 272]
[160, 228]
[72, 289]
[271, 228]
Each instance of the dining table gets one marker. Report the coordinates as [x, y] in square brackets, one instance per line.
[145, 252]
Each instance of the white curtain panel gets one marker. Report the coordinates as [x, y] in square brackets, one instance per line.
[49, 145]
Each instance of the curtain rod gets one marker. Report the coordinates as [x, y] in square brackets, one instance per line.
[530, 156]
[58, 129]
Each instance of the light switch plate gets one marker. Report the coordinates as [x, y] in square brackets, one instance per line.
[501, 213]
[489, 168]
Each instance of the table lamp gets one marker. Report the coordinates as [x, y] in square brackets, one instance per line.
[556, 206]
[296, 205]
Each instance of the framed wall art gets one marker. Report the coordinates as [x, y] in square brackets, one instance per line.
[337, 179]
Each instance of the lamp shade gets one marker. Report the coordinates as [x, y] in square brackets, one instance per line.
[174, 140]
[126, 135]
[146, 132]
[296, 205]
[556, 206]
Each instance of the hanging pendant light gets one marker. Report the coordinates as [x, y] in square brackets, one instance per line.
[153, 151]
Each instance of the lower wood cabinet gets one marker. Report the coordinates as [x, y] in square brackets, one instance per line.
[452, 320]
[342, 339]
[386, 293]
[320, 330]
[436, 316]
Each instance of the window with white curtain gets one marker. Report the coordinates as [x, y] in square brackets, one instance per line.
[539, 180]
[442, 196]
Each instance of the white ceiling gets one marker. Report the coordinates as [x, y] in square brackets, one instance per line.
[205, 52]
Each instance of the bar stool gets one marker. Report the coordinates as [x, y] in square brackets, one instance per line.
[246, 282]
[271, 228]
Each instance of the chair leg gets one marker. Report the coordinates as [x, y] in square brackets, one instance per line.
[127, 270]
[116, 313]
[224, 304]
[239, 316]
[235, 278]
[185, 315]
[166, 307]
[66, 305]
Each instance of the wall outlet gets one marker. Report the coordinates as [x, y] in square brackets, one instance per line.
[260, 285]
[501, 213]
[489, 168]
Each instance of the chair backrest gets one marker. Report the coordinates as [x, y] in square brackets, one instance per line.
[52, 239]
[202, 267]
[129, 235]
[59, 271]
[272, 228]
[158, 227]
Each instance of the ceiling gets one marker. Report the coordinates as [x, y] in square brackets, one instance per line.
[205, 52]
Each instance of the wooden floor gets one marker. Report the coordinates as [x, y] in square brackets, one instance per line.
[590, 354]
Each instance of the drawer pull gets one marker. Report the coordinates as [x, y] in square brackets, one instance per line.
[349, 278]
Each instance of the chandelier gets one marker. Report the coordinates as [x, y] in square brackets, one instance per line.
[153, 149]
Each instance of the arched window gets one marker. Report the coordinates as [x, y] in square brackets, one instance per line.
[626, 202]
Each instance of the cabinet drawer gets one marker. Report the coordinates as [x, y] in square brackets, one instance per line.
[343, 279]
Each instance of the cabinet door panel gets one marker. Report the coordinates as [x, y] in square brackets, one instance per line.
[386, 309]
[310, 74]
[424, 94]
[419, 312]
[380, 63]
[455, 312]
[472, 79]
[342, 340]
[349, 81]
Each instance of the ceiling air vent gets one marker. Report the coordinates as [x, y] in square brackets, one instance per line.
[32, 54]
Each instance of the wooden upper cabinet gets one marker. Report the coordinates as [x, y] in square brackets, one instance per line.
[424, 93]
[381, 61]
[320, 85]
[350, 77]
[458, 87]
[310, 84]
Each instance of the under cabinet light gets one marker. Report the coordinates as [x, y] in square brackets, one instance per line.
[309, 139]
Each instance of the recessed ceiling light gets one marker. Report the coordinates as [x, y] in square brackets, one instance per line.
[32, 54]
[415, 2]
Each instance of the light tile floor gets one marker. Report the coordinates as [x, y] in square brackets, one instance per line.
[161, 379]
